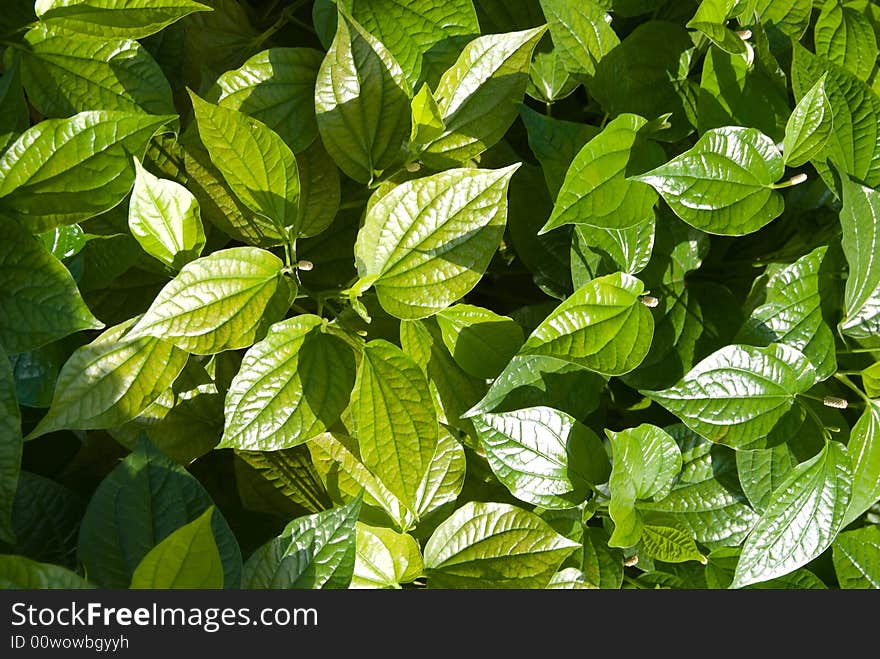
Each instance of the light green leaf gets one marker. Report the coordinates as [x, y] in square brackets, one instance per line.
[860, 222]
[802, 519]
[844, 35]
[39, 301]
[292, 473]
[741, 396]
[628, 250]
[164, 218]
[871, 380]
[394, 419]
[646, 460]
[480, 341]
[62, 171]
[14, 114]
[602, 327]
[384, 558]
[808, 127]
[856, 556]
[64, 242]
[596, 191]
[854, 143]
[724, 184]
[602, 565]
[428, 242]
[702, 501]
[864, 453]
[792, 314]
[722, 565]
[581, 33]
[115, 18]
[223, 301]
[316, 551]
[186, 558]
[275, 86]
[444, 478]
[111, 380]
[66, 73]
[669, 544]
[10, 447]
[711, 19]
[494, 545]
[21, 573]
[140, 503]
[570, 578]
[292, 386]
[362, 103]
[543, 456]
[427, 124]
[548, 79]
[412, 28]
[791, 17]
[256, 163]
[477, 96]
[762, 470]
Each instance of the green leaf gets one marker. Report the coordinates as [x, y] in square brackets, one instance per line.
[762, 470]
[292, 386]
[864, 452]
[791, 17]
[362, 103]
[319, 194]
[428, 242]
[628, 250]
[871, 380]
[669, 544]
[64, 242]
[115, 18]
[711, 19]
[570, 578]
[646, 460]
[444, 479]
[394, 419]
[860, 222]
[164, 218]
[275, 86]
[741, 396]
[548, 79]
[647, 75]
[844, 35]
[802, 519]
[494, 545]
[66, 73]
[384, 558]
[110, 381]
[186, 558]
[14, 113]
[10, 448]
[256, 163]
[856, 556]
[791, 313]
[477, 96]
[20, 572]
[602, 566]
[596, 191]
[292, 473]
[854, 143]
[581, 32]
[544, 457]
[140, 503]
[724, 184]
[602, 327]
[722, 565]
[39, 301]
[317, 551]
[410, 29]
[808, 127]
[198, 314]
[480, 341]
[62, 171]
[427, 124]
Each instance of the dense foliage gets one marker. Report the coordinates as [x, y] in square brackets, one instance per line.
[460, 293]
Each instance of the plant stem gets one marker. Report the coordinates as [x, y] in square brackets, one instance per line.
[849, 383]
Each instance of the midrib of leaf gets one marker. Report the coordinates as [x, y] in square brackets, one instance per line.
[521, 548]
[166, 221]
[871, 250]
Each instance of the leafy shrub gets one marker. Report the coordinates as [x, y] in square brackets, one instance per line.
[565, 294]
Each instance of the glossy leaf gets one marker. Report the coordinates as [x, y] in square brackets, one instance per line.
[762, 470]
[871, 380]
[480, 341]
[186, 558]
[428, 242]
[198, 316]
[856, 557]
[39, 300]
[427, 123]
[362, 102]
[790, 17]
[582, 33]
[724, 184]
[292, 386]
[61, 171]
[115, 18]
[844, 35]
[544, 457]
[494, 545]
[602, 327]
[864, 454]
[740, 396]
[164, 217]
[384, 558]
[803, 517]
[808, 127]
[860, 222]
